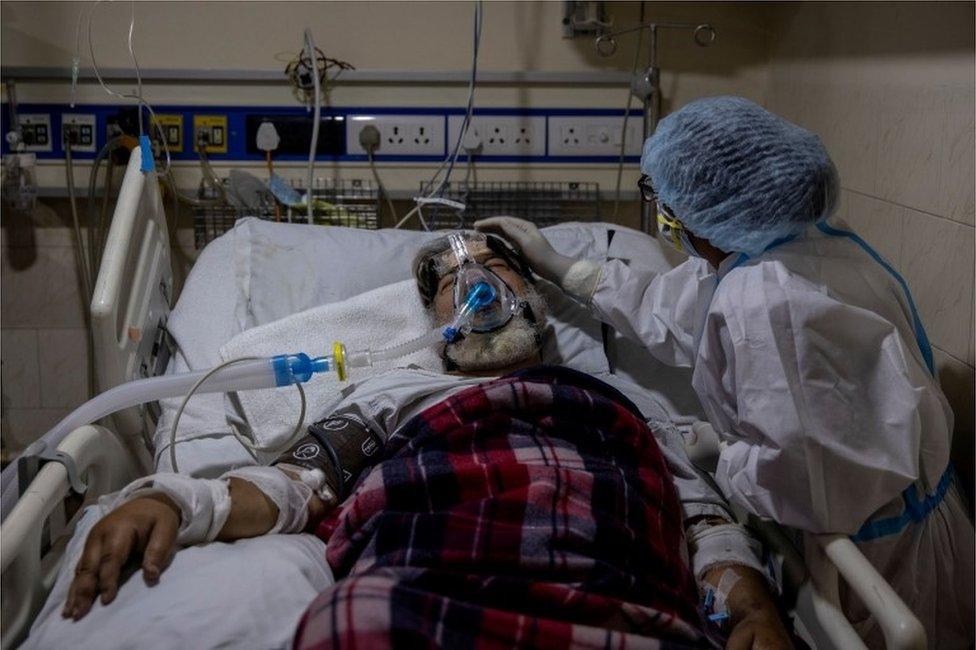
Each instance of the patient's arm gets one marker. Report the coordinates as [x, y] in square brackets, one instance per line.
[148, 527]
[754, 619]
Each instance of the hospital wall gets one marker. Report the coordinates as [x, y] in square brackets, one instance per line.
[889, 87]
[43, 352]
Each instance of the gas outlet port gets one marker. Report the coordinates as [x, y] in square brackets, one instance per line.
[79, 130]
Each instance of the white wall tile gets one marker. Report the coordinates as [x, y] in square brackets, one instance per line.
[852, 133]
[959, 162]
[63, 356]
[45, 294]
[971, 358]
[938, 264]
[20, 378]
[23, 426]
[958, 383]
[880, 223]
[912, 146]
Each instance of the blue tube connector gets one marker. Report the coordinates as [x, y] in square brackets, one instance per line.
[479, 296]
[297, 368]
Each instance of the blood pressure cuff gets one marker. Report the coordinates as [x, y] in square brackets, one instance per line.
[340, 446]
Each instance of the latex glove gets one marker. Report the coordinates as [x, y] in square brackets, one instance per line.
[578, 277]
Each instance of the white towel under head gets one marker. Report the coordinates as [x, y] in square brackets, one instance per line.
[373, 320]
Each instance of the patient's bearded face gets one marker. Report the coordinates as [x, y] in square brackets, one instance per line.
[519, 340]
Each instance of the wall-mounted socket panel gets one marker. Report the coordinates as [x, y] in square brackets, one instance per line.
[210, 131]
[593, 135]
[171, 126]
[400, 135]
[406, 134]
[501, 135]
[83, 127]
[35, 128]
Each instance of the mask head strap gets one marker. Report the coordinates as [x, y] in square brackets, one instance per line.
[671, 228]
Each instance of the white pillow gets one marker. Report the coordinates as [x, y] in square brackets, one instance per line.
[286, 268]
[283, 269]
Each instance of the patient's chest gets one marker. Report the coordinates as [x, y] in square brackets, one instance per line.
[390, 399]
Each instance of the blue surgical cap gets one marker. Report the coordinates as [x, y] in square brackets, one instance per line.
[739, 176]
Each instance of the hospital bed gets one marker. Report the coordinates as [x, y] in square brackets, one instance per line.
[254, 274]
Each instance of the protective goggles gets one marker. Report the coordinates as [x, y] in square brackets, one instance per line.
[668, 226]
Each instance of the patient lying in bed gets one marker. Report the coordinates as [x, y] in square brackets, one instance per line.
[504, 503]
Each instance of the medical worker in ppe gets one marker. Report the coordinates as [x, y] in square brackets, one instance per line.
[808, 352]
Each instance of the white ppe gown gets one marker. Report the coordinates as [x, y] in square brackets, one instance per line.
[813, 367]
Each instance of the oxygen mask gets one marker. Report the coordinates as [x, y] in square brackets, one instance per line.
[483, 302]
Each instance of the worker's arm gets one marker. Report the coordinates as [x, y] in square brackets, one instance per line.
[148, 526]
[657, 310]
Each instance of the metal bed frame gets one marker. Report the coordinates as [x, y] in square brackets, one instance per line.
[132, 302]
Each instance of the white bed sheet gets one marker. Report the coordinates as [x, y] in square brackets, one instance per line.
[251, 593]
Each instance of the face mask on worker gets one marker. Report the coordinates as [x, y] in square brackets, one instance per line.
[669, 228]
[674, 233]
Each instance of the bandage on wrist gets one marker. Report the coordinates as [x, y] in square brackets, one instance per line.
[291, 497]
[713, 546]
[204, 504]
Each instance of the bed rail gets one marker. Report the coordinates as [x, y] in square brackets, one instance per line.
[812, 583]
[27, 573]
[133, 296]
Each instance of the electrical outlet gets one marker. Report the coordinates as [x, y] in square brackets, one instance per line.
[81, 127]
[171, 126]
[503, 135]
[400, 135]
[36, 131]
[594, 135]
[211, 132]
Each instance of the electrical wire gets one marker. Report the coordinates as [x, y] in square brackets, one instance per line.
[81, 253]
[97, 238]
[451, 159]
[310, 45]
[135, 62]
[170, 182]
[379, 184]
[248, 444]
[478, 16]
[623, 128]
[138, 98]
[82, 261]
[209, 175]
[277, 206]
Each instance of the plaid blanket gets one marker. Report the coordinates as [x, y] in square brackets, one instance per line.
[531, 511]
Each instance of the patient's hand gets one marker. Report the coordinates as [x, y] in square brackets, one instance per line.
[756, 624]
[146, 526]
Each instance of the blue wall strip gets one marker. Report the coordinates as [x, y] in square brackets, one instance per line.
[237, 118]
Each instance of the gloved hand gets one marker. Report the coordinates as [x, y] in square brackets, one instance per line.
[577, 277]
